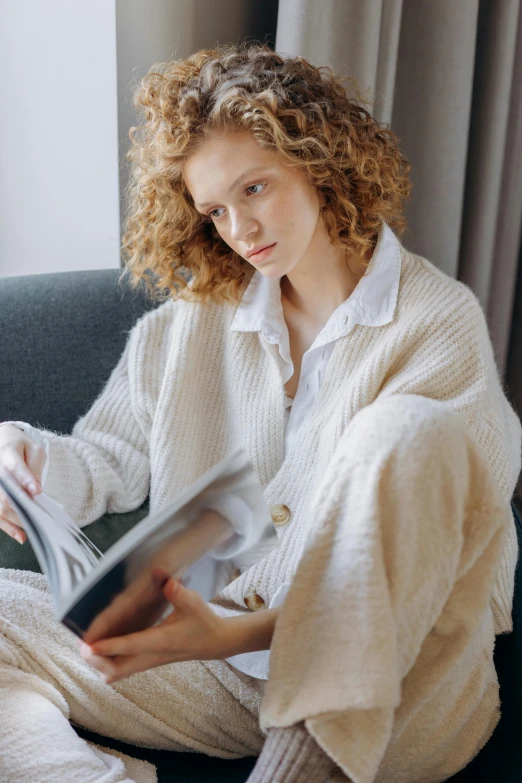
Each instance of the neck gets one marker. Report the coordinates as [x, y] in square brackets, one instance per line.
[315, 294]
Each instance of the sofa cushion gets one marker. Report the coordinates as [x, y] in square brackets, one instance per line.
[62, 335]
[103, 533]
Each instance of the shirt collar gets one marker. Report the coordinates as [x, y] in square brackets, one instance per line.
[372, 303]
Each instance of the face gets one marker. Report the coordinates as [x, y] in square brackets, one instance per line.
[252, 209]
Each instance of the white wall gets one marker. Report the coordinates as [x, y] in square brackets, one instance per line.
[151, 31]
[69, 69]
[59, 194]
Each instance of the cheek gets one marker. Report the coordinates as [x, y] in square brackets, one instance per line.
[291, 210]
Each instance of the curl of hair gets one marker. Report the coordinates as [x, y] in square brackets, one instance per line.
[292, 107]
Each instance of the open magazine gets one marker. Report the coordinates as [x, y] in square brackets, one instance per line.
[196, 538]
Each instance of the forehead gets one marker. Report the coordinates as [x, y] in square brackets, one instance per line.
[220, 159]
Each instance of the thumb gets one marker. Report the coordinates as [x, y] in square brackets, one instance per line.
[180, 596]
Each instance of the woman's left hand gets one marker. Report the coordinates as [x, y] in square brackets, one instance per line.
[191, 632]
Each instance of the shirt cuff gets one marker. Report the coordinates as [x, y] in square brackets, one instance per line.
[257, 663]
[240, 517]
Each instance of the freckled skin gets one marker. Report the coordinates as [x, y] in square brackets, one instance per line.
[277, 204]
[284, 210]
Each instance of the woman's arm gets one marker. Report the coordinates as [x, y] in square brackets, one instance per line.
[249, 632]
[193, 631]
[104, 464]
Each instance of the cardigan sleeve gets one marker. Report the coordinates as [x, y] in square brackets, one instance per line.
[103, 465]
[449, 357]
[386, 609]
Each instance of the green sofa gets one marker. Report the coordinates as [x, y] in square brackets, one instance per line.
[61, 335]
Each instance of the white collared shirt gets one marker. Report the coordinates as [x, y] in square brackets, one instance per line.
[372, 303]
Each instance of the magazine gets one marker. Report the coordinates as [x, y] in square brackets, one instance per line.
[100, 595]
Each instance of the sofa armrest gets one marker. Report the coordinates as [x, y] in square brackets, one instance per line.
[62, 335]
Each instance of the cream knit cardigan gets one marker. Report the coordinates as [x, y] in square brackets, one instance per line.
[187, 390]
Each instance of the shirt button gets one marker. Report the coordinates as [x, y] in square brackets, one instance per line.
[254, 601]
[280, 515]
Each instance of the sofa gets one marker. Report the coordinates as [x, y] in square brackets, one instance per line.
[61, 336]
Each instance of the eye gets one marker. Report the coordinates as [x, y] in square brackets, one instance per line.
[211, 216]
[257, 185]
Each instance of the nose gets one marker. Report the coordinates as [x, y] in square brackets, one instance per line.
[242, 225]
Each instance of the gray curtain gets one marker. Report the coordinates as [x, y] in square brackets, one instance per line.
[446, 76]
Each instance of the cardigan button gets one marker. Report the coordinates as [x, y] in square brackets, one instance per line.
[254, 601]
[280, 515]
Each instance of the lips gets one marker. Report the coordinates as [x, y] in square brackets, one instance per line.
[258, 249]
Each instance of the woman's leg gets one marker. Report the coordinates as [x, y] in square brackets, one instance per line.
[44, 683]
[384, 646]
[38, 743]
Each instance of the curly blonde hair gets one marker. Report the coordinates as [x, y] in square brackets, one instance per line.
[291, 106]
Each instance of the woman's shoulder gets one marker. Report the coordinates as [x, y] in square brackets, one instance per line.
[166, 318]
[428, 293]
[158, 333]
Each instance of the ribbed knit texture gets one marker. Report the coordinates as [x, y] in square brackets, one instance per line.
[187, 390]
[203, 707]
[401, 475]
[290, 755]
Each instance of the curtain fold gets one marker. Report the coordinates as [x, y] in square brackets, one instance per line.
[447, 77]
[503, 307]
[493, 195]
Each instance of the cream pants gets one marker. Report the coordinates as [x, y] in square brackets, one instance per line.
[208, 707]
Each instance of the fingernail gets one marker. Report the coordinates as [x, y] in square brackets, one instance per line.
[19, 538]
[85, 649]
[32, 487]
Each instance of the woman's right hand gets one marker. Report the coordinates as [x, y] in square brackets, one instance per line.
[24, 460]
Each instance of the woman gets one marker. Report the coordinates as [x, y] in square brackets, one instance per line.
[265, 214]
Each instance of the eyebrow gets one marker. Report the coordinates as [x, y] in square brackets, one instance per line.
[236, 182]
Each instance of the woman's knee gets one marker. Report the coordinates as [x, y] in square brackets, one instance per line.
[402, 420]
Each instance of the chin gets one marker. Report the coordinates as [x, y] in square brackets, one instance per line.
[269, 270]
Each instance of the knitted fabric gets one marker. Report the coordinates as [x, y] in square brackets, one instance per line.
[187, 390]
[399, 531]
[291, 756]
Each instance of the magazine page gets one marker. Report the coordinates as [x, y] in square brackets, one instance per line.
[128, 596]
[218, 521]
[222, 516]
[64, 552]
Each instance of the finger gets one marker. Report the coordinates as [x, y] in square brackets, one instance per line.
[153, 640]
[15, 465]
[134, 664]
[12, 530]
[159, 576]
[135, 609]
[181, 597]
[102, 665]
[35, 458]
[9, 521]
[113, 669]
